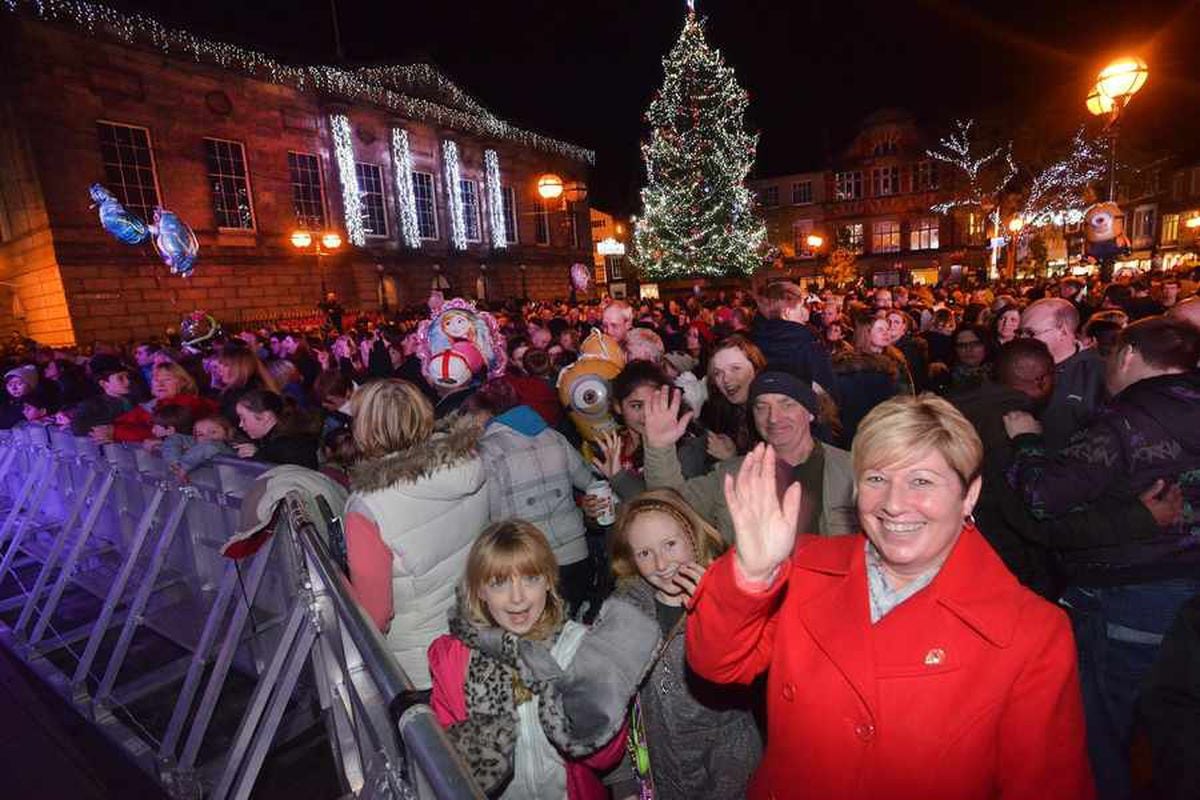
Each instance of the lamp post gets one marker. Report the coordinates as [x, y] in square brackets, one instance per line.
[1115, 86]
[1014, 234]
[320, 245]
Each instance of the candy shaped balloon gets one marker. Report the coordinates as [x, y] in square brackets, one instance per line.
[175, 242]
[581, 277]
[198, 327]
[125, 227]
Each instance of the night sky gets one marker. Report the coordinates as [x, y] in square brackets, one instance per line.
[585, 71]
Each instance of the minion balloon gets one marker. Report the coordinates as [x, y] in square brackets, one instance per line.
[585, 387]
[1105, 227]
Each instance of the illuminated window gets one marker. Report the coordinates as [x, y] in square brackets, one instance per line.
[423, 193]
[1170, 228]
[470, 204]
[509, 196]
[541, 222]
[851, 237]
[885, 181]
[924, 234]
[801, 230]
[230, 184]
[848, 185]
[370, 190]
[308, 197]
[885, 237]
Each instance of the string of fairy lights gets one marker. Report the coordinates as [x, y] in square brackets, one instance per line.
[380, 86]
[343, 151]
[406, 196]
[458, 225]
[495, 199]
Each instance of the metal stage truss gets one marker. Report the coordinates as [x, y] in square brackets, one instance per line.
[205, 671]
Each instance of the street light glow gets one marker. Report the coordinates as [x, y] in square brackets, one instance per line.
[814, 241]
[1098, 104]
[1122, 79]
[550, 186]
[1015, 224]
[331, 241]
[301, 239]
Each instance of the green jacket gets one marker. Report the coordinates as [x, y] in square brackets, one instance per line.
[706, 493]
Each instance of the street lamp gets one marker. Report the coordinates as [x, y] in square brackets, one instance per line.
[1115, 86]
[550, 186]
[814, 241]
[323, 245]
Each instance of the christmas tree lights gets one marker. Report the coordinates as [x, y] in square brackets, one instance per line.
[406, 198]
[698, 216]
[382, 86]
[495, 199]
[343, 152]
[458, 226]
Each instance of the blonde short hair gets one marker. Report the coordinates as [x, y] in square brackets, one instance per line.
[187, 384]
[389, 416]
[503, 549]
[707, 543]
[903, 429]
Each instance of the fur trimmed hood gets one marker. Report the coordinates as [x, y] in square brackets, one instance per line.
[454, 441]
[855, 361]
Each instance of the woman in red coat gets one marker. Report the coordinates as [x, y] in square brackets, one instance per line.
[905, 664]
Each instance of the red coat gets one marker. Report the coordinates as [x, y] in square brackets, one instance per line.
[968, 689]
[135, 425]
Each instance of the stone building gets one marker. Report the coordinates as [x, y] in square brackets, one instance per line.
[247, 150]
[873, 199]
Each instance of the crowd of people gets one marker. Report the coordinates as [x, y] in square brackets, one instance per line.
[902, 541]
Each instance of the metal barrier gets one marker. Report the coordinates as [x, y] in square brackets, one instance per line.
[112, 589]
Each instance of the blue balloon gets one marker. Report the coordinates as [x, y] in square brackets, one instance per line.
[125, 227]
[175, 242]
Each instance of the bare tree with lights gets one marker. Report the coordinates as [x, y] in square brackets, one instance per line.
[984, 173]
[698, 216]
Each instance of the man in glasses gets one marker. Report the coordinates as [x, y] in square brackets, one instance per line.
[1079, 372]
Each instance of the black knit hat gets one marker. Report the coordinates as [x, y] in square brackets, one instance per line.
[785, 383]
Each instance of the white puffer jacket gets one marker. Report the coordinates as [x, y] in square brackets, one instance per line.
[430, 502]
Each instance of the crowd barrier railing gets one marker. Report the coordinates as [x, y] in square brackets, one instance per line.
[113, 591]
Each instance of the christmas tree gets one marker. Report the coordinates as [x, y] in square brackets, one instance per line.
[698, 216]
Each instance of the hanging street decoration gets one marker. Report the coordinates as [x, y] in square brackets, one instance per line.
[343, 152]
[381, 86]
[698, 215]
[458, 226]
[406, 198]
[495, 199]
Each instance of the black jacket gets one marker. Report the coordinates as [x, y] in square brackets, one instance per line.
[1170, 709]
[288, 448]
[99, 409]
[1078, 393]
[793, 346]
[1030, 546]
[1149, 431]
[864, 381]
